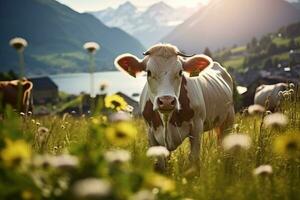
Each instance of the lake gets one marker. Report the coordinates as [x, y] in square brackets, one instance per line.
[117, 82]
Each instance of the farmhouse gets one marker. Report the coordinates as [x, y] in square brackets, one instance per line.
[44, 90]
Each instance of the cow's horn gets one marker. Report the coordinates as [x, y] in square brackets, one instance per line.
[146, 53]
[184, 55]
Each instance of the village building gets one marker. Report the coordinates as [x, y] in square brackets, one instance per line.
[44, 90]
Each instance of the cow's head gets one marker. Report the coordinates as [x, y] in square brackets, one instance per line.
[164, 65]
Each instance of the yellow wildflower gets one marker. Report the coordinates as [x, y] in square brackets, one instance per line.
[27, 194]
[287, 145]
[115, 102]
[121, 133]
[16, 152]
[163, 183]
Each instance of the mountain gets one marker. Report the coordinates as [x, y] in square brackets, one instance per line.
[56, 34]
[150, 25]
[227, 22]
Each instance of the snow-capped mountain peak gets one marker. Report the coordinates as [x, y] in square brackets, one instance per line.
[150, 25]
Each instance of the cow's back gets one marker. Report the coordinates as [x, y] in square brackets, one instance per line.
[270, 93]
[215, 89]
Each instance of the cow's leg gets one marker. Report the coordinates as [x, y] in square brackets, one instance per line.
[226, 126]
[161, 162]
[196, 132]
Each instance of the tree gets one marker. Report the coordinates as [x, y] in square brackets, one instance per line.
[272, 49]
[292, 44]
[207, 52]
[265, 42]
[268, 64]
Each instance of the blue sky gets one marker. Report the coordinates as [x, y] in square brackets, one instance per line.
[92, 5]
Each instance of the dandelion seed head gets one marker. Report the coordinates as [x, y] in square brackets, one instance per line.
[64, 161]
[286, 94]
[91, 47]
[119, 116]
[91, 188]
[256, 109]
[18, 43]
[158, 151]
[277, 120]
[268, 112]
[143, 195]
[42, 136]
[263, 170]
[236, 141]
[117, 156]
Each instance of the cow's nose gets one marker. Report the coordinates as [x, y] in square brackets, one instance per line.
[166, 103]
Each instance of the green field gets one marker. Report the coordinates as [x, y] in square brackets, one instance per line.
[235, 63]
[280, 41]
[63, 60]
[239, 49]
[281, 57]
[30, 171]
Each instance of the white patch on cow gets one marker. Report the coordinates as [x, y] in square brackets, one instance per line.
[174, 136]
[165, 79]
[211, 94]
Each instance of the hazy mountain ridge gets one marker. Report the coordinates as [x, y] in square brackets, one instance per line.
[148, 26]
[55, 34]
[224, 23]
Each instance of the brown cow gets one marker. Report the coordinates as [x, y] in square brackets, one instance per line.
[11, 91]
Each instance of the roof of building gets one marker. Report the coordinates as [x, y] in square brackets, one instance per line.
[43, 83]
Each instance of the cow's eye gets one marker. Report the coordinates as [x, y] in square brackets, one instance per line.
[148, 73]
[180, 73]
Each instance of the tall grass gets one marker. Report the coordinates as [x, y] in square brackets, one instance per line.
[222, 175]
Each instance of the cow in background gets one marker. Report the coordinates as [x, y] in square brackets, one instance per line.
[16, 93]
[269, 95]
[176, 106]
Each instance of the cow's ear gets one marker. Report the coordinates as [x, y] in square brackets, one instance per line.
[196, 64]
[130, 64]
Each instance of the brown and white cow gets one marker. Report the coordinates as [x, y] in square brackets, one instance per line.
[270, 93]
[176, 106]
[11, 91]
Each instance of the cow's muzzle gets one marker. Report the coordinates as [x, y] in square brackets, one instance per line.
[166, 103]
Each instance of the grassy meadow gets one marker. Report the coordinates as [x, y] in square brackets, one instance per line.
[106, 156]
